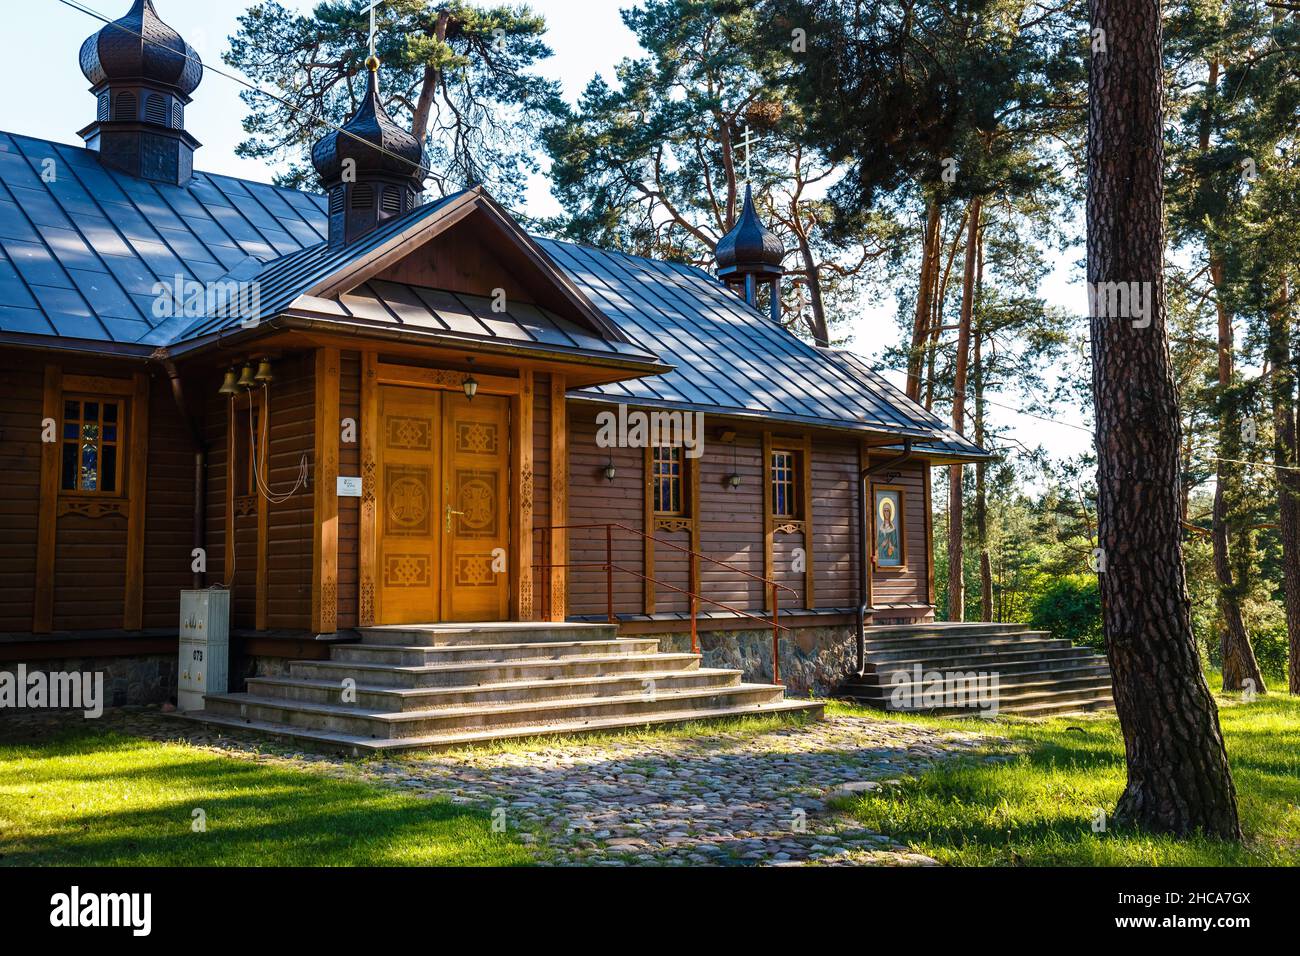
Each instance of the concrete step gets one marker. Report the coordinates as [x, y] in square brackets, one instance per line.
[956, 640]
[357, 745]
[906, 651]
[403, 656]
[1062, 704]
[382, 699]
[460, 635]
[381, 725]
[1003, 662]
[976, 629]
[474, 673]
[1023, 701]
[1083, 677]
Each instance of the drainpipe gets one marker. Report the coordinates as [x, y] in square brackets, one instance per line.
[864, 481]
[198, 530]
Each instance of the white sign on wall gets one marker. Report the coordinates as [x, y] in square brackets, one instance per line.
[349, 487]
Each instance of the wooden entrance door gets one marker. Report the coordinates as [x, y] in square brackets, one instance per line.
[443, 522]
[476, 452]
[410, 498]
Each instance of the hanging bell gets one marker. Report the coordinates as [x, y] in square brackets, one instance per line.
[246, 377]
[264, 376]
[228, 385]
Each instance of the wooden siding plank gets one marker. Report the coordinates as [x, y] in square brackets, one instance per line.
[138, 463]
[47, 529]
[810, 571]
[649, 599]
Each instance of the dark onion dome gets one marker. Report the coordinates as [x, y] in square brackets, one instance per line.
[399, 153]
[750, 248]
[140, 47]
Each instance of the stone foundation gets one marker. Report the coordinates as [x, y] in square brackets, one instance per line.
[814, 660]
[149, 679]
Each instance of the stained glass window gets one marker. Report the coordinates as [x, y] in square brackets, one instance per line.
[92, 437]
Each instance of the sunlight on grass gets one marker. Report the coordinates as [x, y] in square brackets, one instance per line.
[1038, 808]
[93, 799]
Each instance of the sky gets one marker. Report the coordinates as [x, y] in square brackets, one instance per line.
[38, 50]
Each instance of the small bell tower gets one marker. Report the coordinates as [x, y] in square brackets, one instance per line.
[142, 74]
[372, 169]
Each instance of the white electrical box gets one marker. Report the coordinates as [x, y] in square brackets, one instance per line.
[204, 666]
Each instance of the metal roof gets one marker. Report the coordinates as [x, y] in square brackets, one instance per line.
[82, 250]
[82, 246]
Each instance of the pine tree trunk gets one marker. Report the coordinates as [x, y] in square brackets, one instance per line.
[1178, 776]
[1282, 392]
[1240, 668]
[924, 300]
[956, 531]
[981, 467]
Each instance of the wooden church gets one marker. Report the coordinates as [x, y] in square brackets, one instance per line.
[420, 447]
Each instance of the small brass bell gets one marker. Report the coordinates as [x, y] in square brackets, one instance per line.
[246, 377]
[228, 384]
[264, 376]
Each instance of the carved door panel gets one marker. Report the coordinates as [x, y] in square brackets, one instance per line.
[410, 505]
[476, 456]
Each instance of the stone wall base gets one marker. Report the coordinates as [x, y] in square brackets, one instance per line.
[816, 660]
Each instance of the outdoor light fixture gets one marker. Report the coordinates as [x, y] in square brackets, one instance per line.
[610, 471]
[228, 385]
[264, 376]
[734, 481]
[246, 377]
[471, 384]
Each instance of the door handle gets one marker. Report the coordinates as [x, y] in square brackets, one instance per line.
[450, 512]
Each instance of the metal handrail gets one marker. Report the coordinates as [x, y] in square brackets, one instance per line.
[609, 567]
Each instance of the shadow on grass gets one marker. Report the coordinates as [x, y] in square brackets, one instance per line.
[1043, 806]
[86, 797]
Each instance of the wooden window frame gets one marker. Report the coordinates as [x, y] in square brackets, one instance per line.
[121, 443]
[902, 529]
[794, 485]
[681, 479]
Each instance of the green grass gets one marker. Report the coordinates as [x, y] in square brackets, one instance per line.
[88, 798]
[1037, 809]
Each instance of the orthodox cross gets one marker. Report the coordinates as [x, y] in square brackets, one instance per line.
[371, 10]
[748, 143]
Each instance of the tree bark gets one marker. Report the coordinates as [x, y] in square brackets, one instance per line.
[981, 467]
[1179, 781]
[956, 546]
[924, 300]
[1240, 668]
[1282, 386]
